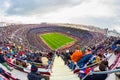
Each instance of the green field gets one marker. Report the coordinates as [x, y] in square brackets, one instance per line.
[56, 40]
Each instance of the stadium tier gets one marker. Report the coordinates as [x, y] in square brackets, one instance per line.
[56, 52]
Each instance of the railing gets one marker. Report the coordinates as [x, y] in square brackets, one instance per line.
[92, 65]
[102, 72]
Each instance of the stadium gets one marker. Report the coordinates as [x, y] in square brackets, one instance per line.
[59, 39]
[50, 47]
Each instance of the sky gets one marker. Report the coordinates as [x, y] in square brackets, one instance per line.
[99, 13]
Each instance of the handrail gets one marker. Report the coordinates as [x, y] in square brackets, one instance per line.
[105, 72]
[94, 63]
[102, 72]
[116, 63]
[47, 69]
[28, 61]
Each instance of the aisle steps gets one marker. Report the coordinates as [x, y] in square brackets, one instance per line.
[61, 71]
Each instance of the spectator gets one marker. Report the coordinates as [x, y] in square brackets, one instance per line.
[96, 58]
[75, 57]
[102, 67]
[85, 58]
[38, 60]
[117, 51]
[66, 57]
[3, 61]
[33, 75]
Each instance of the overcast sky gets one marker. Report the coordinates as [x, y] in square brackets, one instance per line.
[99, 13]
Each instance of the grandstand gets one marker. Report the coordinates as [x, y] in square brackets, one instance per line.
[26, 37]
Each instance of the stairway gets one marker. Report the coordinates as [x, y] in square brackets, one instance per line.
[61, 71]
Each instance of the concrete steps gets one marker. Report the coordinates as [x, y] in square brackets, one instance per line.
[61, 71]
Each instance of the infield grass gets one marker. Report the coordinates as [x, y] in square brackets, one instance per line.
[56, 40]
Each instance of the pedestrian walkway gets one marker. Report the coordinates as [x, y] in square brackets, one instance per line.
[61, 71]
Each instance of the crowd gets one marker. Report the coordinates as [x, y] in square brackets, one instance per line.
[14, 51]
[83, 57]
[24, 45]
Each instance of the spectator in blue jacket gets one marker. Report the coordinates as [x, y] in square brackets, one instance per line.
[33, 75]
[85, 58]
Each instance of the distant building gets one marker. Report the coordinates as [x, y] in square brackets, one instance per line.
[2, 24]
[113, 33]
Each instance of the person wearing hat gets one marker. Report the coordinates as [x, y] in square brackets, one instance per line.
[33, 75]
[3, 61]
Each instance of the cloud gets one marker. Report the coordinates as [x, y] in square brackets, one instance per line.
[38, 7]
[5, 5]
[100, 13]
[89, 8]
